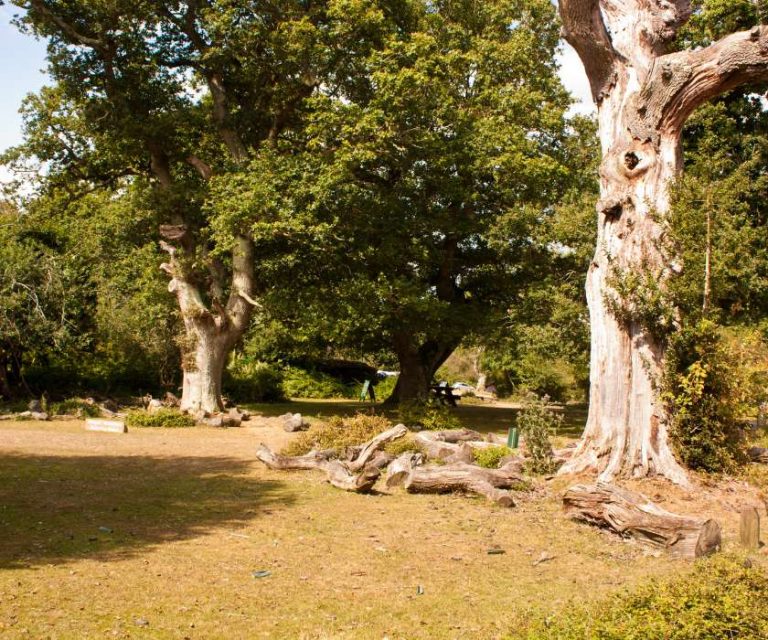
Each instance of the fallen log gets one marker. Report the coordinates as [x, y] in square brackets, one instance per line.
[491, 483]
[401, 467]
[632, 515]
[372, 446]
[758, 454]
[336, 472]
[454, 436]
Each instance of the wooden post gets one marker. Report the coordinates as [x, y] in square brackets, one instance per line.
[749, 530]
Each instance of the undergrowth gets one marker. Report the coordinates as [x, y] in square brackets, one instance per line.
[491, 457]
[338, 433]
[160, 418]
[75, 407]
[724, 597]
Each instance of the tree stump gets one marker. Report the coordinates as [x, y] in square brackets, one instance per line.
[632, 515]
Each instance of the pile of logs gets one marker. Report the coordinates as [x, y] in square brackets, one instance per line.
[618, 510]
[456, 470]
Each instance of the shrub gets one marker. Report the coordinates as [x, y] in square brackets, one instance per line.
[75, 407]
[702, 393]
[159, 418]
[430, 415]
[723, 597]
[338, 434]
[490, 457]
[403, 445]
[299, 383]
[536, 423]
[254, 381]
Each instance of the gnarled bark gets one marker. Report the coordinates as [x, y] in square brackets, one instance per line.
[336, 472]
[644, 96]
[491, 483]
[633, 515]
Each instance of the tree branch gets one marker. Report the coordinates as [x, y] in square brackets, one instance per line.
[680, 82]
[585, 31]
[67, 29]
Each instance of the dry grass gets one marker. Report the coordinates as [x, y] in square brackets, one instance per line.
[98, 531]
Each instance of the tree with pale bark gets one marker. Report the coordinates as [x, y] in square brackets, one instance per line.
[645, 90]
[171, 94]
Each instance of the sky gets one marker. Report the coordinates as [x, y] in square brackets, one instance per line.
[22, 60]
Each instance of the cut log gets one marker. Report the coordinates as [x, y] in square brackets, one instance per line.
[381, 460]
[454, 436]
[293, 422]
[401, 468]
[490, 483]
[632, 515]
[758, 454]
[464, 453]
[373, 445]
[437, 449]
[336, 472]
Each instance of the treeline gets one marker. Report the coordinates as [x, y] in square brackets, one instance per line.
[384, 181]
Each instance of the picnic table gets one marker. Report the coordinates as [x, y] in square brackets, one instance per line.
[444, 393]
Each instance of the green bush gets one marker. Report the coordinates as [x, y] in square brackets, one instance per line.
[723, 597]
[159, 418]
[702, 392]
[250, 380]
[299, 383]
[338, 434]
[430, 415]
[403, 445]
[75, 407]
[536, 422]
[490, 457]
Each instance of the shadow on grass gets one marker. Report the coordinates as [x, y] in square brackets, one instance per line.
[481, 417]
[54, 509]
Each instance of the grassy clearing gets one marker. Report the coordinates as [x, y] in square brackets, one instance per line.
[99, 531]
[483, 417]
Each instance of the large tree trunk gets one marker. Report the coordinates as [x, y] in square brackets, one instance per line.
[644, 96]
[210, 335]
[418, 366]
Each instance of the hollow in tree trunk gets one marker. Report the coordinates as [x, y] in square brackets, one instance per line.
[644, 96]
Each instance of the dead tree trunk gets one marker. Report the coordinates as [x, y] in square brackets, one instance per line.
[336, 472]
[644, 96]
[491, 483]
[633, 515]
[358, 475]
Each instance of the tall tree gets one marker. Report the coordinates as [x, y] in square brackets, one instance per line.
[173, 93]
[421, 185]
[645, 91]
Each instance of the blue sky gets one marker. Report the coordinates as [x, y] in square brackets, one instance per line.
[22, 59]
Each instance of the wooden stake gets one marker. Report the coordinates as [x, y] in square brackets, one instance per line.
[749, 529]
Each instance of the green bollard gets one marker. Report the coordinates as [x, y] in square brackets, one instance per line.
[513, 438]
